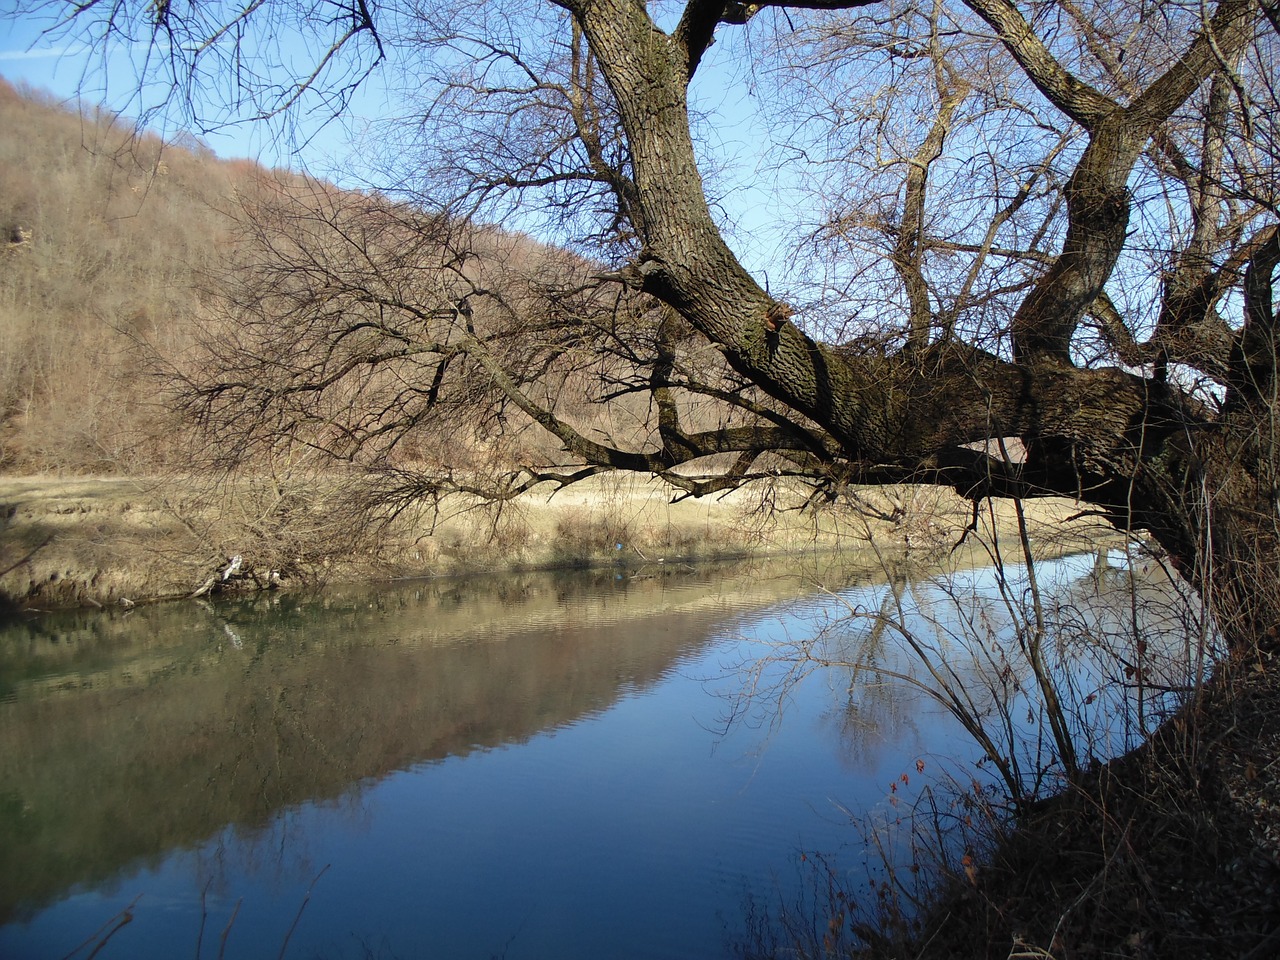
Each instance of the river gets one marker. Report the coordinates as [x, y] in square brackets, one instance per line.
[607, 764]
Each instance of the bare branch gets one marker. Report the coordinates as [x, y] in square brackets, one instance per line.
[1078, 100]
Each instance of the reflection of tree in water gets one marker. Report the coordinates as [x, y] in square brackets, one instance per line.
[876, 708]
[1111, 660]
[277, 852]
[1116, 652]
[127, 737]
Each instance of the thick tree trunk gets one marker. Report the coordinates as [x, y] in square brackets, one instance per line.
[1203, 483]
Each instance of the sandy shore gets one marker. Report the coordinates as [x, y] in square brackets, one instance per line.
[86, 541]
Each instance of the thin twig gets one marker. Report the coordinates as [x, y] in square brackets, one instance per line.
[305, 900]
[222, 945]
[126, 916]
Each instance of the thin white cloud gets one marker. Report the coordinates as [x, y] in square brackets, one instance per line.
[43, 53]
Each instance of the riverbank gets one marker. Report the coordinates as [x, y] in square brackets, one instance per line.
[1171, 852]
[102, 541]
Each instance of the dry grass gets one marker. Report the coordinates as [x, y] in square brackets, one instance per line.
[78, 542]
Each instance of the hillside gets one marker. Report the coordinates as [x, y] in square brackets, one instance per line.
[130, 263]
[102, 234]
[127, 264]
[138, 273]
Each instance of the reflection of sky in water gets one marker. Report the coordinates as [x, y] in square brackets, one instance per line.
[638, 828]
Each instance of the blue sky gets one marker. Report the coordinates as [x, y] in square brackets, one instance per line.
[64, 69]
[749, 201]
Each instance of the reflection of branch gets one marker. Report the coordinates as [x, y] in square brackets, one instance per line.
[122, 918]
[307, 897]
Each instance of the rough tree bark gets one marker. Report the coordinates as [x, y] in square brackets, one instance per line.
[600, 118]
[1203, 482]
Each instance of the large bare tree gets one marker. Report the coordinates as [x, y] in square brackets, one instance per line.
[1036, 256]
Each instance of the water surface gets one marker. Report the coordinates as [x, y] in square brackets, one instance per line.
[537, 766]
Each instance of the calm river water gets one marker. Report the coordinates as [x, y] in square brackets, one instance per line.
[540, 766]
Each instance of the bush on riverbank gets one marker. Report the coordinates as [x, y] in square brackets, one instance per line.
[1171, 852]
